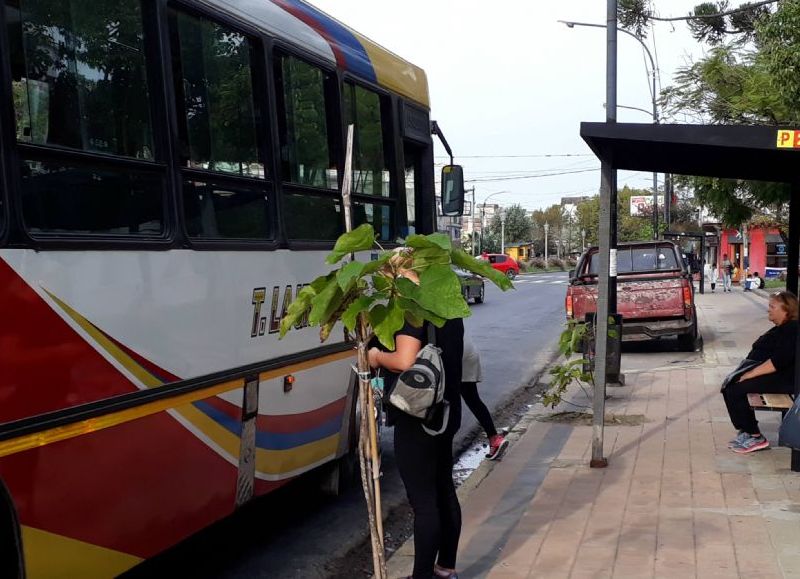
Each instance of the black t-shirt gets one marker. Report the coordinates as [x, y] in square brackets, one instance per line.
[450, 338]
[777, 344]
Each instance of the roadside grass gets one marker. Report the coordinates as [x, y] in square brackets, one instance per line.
[774, 284]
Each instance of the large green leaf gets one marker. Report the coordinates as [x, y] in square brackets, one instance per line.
[348, 273]
[299, 307]
[427, 256]
[418, 314]
[386, 321]
[440, 292]
[325, 303]
[440, 240]
[350, 315]
[376, 264]
[480, 267]
[361, 238]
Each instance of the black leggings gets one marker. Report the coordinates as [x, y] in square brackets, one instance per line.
[426, 466]
[742, 415]
[469, 392]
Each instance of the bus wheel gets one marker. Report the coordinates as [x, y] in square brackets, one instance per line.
[11, 559]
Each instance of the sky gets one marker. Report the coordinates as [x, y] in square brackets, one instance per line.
[510, 85]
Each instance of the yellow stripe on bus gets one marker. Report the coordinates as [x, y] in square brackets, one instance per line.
[278, 462]
[51, 556]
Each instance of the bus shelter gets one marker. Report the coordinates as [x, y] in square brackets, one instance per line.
[757, 153]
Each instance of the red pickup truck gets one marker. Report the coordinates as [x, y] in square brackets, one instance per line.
[655, 295]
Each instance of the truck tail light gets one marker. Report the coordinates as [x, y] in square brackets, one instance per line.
[687, 299]
[568, 304]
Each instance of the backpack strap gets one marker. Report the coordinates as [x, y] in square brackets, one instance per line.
[431, 333]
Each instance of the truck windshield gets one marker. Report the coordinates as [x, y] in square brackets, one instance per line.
[640, 259]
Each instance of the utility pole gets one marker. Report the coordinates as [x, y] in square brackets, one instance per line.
[546, 229]
[472, 222]
[502, 231]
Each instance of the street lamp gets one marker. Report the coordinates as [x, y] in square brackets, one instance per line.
[583, 240]
[483, 213]
[654, 114]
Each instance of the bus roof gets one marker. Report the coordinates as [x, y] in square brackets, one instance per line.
[304, 25]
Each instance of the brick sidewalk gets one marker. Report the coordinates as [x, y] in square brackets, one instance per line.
[674, 501]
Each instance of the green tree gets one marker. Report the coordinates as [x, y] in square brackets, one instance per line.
[748, 77]
[517, 228]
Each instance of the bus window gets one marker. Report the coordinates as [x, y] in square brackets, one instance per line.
[370, 168]
[379, 216]
[413, 162]
[303, 124]
[78, 75]
[214, 211]
[80, 199]
[312, 217]
[214, 84]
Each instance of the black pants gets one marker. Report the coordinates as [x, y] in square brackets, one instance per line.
[469, 392]
[742, 415]
[426, 466]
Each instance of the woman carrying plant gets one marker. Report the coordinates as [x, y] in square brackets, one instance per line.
[425, 461]
[768, 369]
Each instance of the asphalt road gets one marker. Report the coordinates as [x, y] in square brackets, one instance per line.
[294, 532]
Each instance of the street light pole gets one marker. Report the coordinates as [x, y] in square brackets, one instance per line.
[583, 240]
[654, 114]
[483, 212]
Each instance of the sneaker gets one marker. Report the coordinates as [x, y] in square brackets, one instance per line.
[752, 444]
[497, 446]
[737, 442]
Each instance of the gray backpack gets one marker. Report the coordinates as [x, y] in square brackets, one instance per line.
[419, 391]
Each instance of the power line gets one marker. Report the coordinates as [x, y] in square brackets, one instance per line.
[488, 180]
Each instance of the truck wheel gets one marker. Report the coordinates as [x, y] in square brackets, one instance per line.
[689, 342]
[11, 560]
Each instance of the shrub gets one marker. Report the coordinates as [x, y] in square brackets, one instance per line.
[537, 263]
[556, 262]
[572, 262]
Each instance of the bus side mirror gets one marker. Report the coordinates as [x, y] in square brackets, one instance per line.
[452, 190]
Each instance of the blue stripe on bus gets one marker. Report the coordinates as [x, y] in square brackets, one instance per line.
[273, 440]
[356, 57]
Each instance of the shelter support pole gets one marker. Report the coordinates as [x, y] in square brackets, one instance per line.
[601, 319]
[793, 253]
[791, 284]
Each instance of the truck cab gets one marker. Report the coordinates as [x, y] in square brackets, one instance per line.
[655, 295]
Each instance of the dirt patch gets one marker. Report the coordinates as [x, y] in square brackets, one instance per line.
[585, 419]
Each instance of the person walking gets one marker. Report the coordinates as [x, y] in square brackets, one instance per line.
[727, 272]
[425, 461]
[470, 376]
[768, 368]
[712, 275]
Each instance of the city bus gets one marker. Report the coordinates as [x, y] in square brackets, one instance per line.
[170, 177]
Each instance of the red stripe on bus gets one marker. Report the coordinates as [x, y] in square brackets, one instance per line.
[46, 365]
[283, 423]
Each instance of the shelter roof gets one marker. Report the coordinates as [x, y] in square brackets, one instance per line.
[724, 151]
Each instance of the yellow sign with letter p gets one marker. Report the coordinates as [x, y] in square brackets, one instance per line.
[788, 139]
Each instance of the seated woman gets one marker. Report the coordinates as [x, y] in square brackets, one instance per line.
[774, 354]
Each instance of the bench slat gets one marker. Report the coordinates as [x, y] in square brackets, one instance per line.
[778, 400]
[755, 400]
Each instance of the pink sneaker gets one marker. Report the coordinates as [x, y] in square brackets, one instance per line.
[497, 447]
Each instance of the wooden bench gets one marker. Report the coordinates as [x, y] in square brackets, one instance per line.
[778, 403]
[775, 402]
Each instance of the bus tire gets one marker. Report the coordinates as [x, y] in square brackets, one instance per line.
[12, 563]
